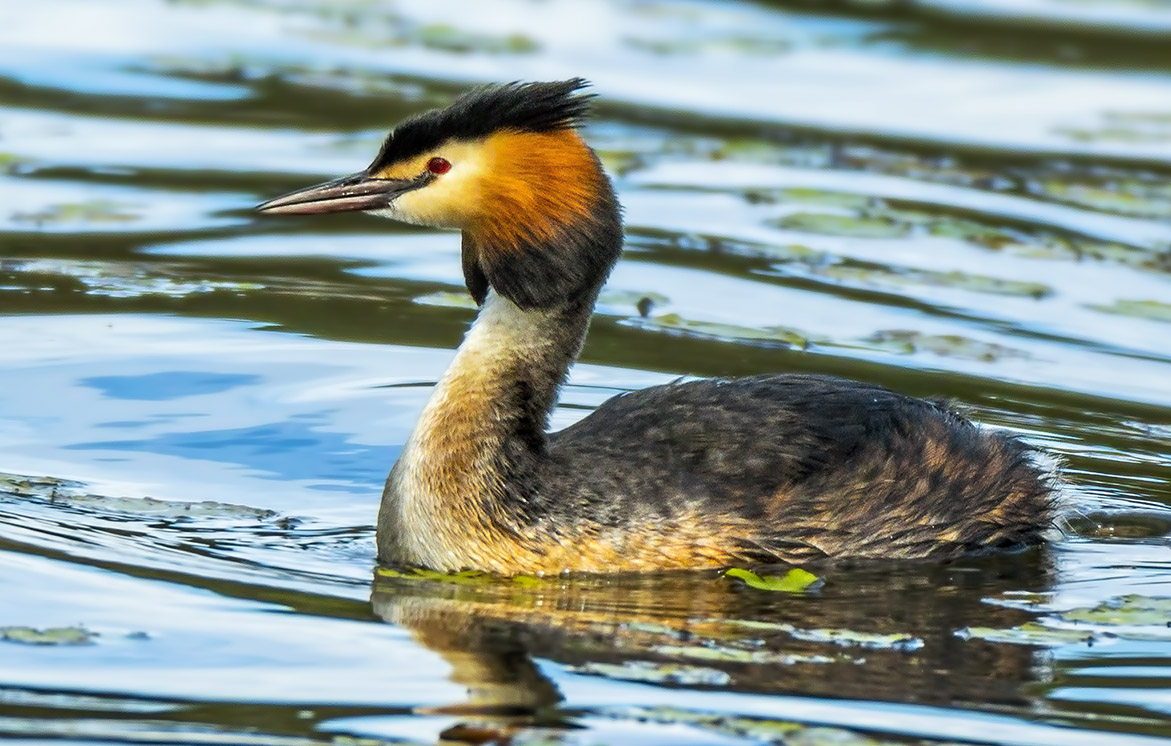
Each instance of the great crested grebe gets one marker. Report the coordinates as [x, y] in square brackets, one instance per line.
[702, 474]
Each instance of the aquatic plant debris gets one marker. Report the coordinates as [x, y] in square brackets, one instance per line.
[447, 299]
[651, 672]
[1020, 247]
[1140, 309]
[728, 654]
[852, 226]
[49, 636]
[1130, 617]
[465, 577]
[793, 581]
[911, 341]
[66, 493]
[768, 335]
[94, 211]
[838, 636]
[125, 279]
[769, 730]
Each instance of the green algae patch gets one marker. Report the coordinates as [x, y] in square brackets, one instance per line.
[803, 195]
[906, 276]
[447, 38]
[1123, 197]
[1131, 617]
[1128, 127]
[465, 577]
[1128, 611]
[93, 211]
[111, 279]
[66, 493]
[849, 226]
[779, 335]
[794, 581]
[49, 636]
[909, 342]
[749, 46]
[1140, 309]
[838, 636]
[725, 654]
[969, 231]
[769, 730]
[11, 163]
[1029, 633]
[649, 672]
[17, 485]
[155, 507]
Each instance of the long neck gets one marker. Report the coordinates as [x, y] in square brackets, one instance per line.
[469, 469]
[496, 396]
[466, 491]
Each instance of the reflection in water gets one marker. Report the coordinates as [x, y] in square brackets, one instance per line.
[877, 631]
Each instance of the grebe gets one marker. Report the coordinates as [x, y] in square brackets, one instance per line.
[701, 474]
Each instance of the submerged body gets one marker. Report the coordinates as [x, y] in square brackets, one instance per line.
[784, 468]
[709, 473]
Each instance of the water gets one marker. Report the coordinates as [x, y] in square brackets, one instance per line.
[198, 406]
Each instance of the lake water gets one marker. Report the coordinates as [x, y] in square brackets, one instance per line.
[960, 198]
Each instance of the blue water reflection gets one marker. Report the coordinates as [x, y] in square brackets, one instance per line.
[167, 385]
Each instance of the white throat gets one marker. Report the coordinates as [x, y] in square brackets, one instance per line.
[442, 462]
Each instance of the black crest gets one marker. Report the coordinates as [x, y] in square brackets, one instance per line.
[524, 107]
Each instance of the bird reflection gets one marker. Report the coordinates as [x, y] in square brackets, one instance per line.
[873, 632]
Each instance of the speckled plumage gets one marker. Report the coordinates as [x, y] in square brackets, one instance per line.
[710, 473]
[782, 468]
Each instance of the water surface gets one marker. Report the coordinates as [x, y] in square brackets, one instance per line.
[198, 406]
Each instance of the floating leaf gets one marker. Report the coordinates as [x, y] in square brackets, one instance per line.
[794, 581]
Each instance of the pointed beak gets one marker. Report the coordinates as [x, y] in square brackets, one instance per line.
[348, 194]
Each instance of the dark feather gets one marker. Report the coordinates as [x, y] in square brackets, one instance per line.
[474, 277]
[522, 107]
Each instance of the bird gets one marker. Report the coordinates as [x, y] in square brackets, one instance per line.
[780, 469]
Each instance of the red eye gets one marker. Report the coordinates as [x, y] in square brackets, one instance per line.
[438, 165]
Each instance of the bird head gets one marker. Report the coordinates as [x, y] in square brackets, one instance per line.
[506, 166]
